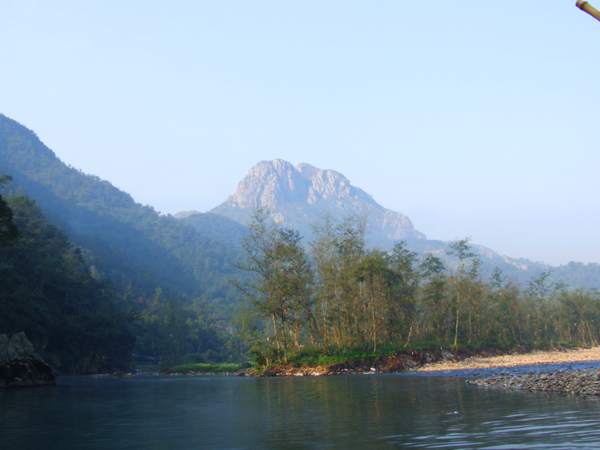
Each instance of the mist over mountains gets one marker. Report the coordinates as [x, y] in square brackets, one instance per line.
[127, 239]
[191, 252]
[297, 196]
[171, 276]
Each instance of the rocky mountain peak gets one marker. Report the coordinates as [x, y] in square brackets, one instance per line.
[306, 170]
[296, 196]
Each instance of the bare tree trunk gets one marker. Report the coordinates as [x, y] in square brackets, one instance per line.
[276, 335]
[590, 333]
[457, 315]
[409, 335]
[285, 358]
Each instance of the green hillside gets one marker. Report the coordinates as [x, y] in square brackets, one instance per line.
[148, 257]
[47, 291]
[218, 227]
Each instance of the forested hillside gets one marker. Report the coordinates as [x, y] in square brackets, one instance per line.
[102, 269]
[218, 227]
[47, 291]
[130, 242]
[152, 260]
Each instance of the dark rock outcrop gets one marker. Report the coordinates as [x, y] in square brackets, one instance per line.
[20, 365]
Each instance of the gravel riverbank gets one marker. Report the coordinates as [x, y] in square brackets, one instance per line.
[584, 383]
[565, 371]
[535, 358]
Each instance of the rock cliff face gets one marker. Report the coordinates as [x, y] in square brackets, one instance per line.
[296, 196]
[20, 365]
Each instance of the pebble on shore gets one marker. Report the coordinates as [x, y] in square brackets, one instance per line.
[584, 383]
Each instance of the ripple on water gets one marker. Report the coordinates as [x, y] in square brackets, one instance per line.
[351, 412]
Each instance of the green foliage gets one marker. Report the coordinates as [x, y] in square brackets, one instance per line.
[207, 368]
[578, 274]
[331, 355]
[365, 302]
[47, 291]
[8, 230]
[218, 227]
[136, 248]
[128, 241]
[281, 288]
[173, 330]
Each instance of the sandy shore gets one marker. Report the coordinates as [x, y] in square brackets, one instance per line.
[528, 359]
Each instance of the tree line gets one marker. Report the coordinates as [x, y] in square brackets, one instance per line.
[335, 292]
[75, 316]
[47, 291]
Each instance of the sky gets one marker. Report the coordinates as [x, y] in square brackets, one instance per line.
[472, 118]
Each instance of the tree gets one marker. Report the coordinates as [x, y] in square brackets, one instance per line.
[462, 250]
[336, 250]
[8, 230]
[404, 283]
[47, 291]
[374, 271]
[280, 289]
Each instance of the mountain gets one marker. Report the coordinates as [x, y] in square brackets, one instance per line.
[160, 266]
[218, 227]
[128, 240]
[297, 196]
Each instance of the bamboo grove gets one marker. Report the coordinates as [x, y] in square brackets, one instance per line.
[337, 293]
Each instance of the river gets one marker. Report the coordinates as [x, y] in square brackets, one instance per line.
[349, 412]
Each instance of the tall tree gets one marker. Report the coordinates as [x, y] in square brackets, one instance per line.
[375, 273]
[462, 250]
[280, 289]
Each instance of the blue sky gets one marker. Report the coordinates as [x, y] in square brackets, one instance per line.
[473, 118]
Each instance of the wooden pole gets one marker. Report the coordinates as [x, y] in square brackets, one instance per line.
[585, 6]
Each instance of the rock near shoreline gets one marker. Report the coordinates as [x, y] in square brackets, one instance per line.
[20, 365]
[583, 383]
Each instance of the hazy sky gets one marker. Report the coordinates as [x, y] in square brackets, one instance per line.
[474, 118]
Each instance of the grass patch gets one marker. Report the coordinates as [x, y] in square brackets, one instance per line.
[332, 355]
[326, 356]
[207, 368]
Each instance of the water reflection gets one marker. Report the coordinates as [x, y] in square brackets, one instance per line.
[371, 411]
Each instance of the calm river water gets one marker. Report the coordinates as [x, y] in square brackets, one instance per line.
[350, 412]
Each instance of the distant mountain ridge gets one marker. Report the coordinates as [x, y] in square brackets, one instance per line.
[130, 242]
[296, 196]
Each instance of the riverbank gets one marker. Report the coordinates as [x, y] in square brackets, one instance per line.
[535, 358]
[582, 383]
[399, 362]
[440, 360]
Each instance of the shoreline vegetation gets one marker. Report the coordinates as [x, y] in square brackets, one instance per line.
[415, 361]
[438, 360]
[337, 306]
[201, 368]
[553, 368]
